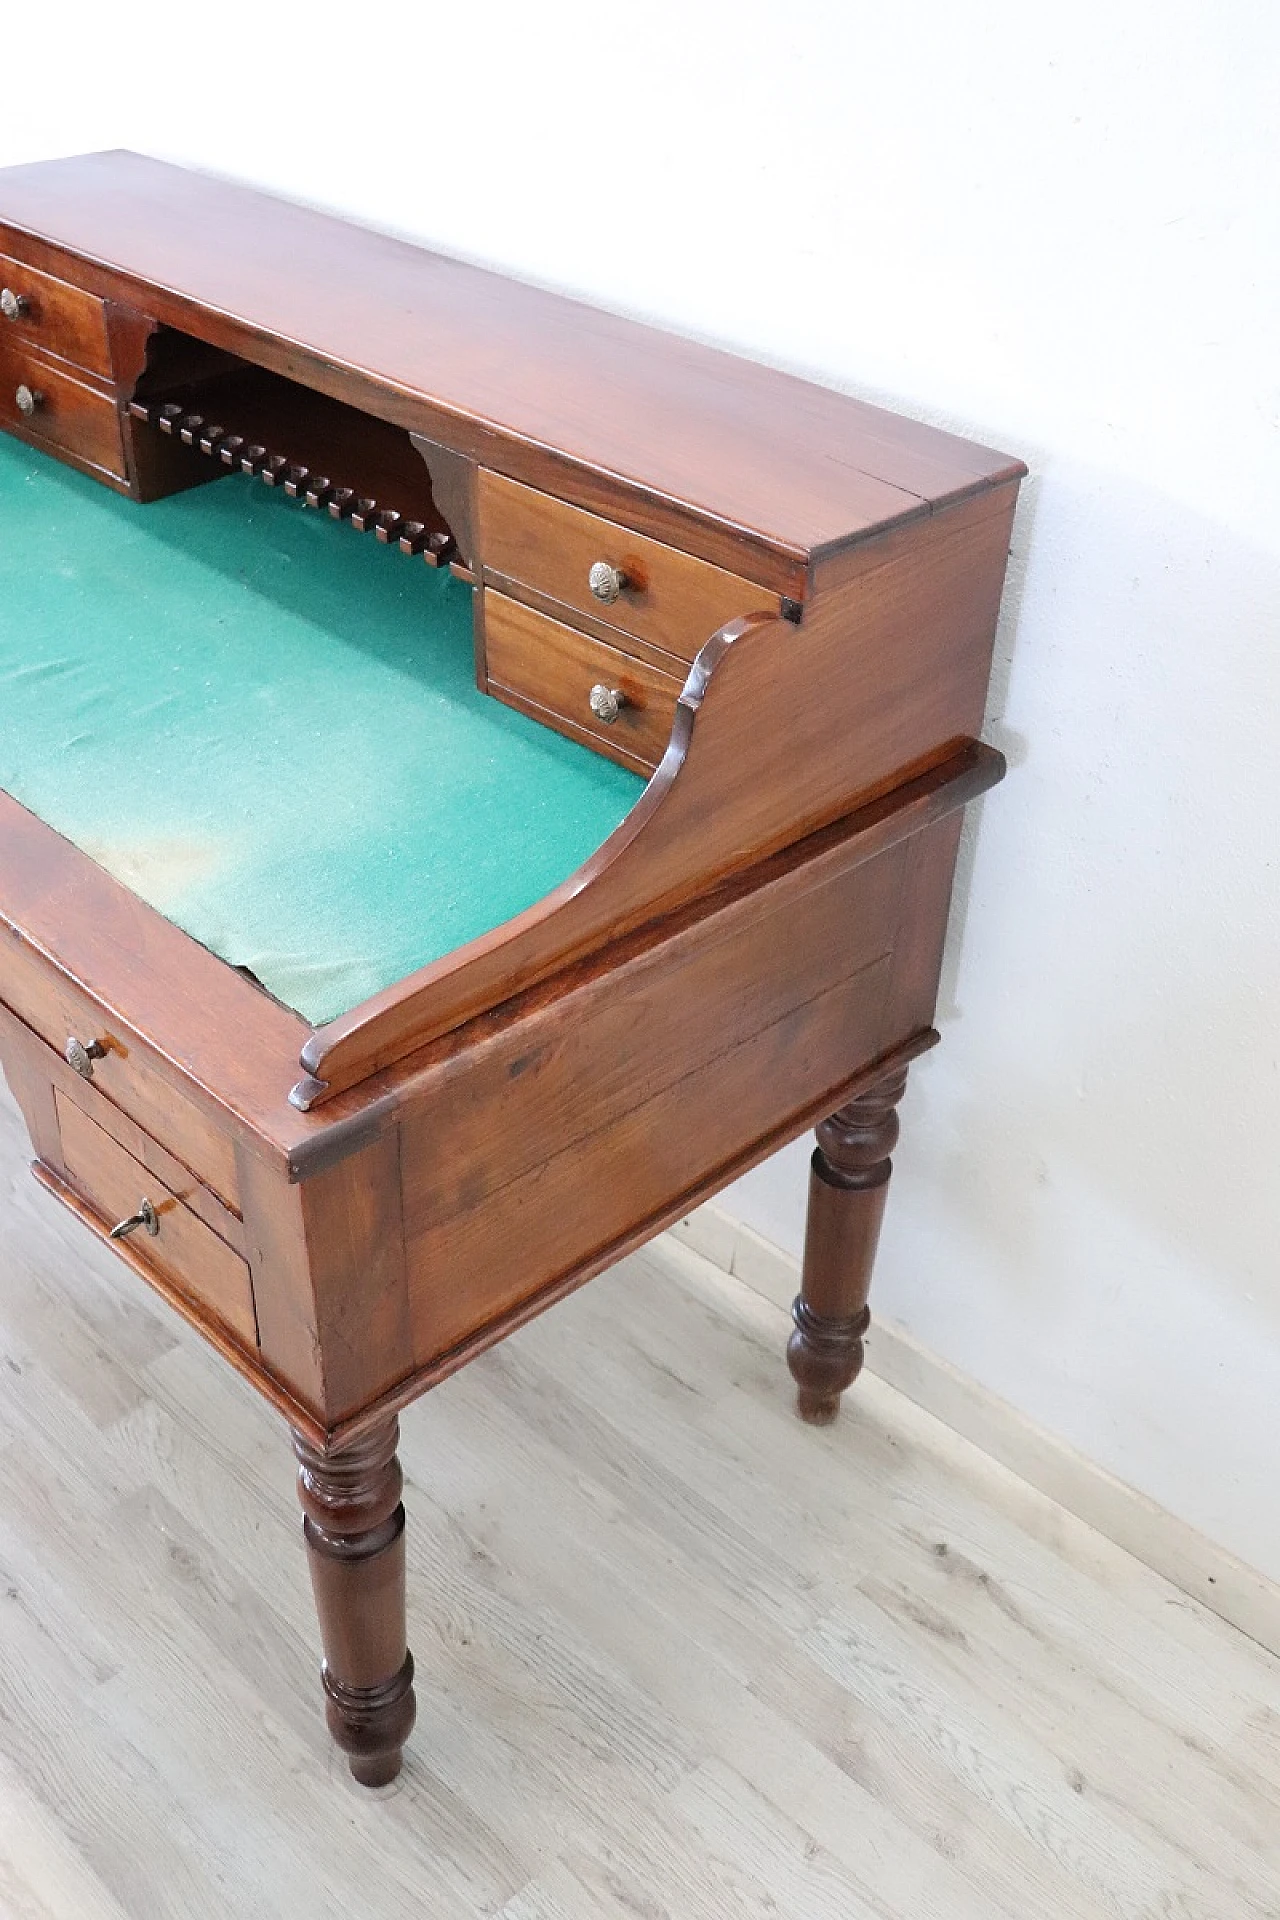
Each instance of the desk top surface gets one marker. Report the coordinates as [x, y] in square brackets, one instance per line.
[271, 732]
[795, 469]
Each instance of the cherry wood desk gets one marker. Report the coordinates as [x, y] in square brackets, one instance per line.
[579, 831]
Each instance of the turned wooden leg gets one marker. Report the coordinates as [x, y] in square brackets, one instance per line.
[848, 1183]
[353, 1523]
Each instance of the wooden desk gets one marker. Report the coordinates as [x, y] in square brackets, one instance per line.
[769, 607]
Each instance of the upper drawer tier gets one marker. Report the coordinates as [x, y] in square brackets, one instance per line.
[48, 313]
[665, 597]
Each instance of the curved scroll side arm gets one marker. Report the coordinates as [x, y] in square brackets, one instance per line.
[632, 876]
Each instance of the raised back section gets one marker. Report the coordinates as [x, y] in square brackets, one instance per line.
[750, 468]
[402, 392]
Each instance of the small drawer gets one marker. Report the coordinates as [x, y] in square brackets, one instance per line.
[553, 669]
[37, 310]
[668, 598]
[119, 1070]
[64, 413]
[181, 1250]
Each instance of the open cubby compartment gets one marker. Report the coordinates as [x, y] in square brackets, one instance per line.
[330, 456]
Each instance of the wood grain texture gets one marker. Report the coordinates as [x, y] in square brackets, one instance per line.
[126, 1074]
[529, 1306]
[184, 1250]
[863, 836]
[599, 629]
[24, 1063]
[649, 1680]
[646, 1081]
[453, 489]
[56, 318]
[926, 899]
[894, 821]
[353, 1523]
[328, 1266]
[554, 668]
[848, 1185]
[684, 1140]
[344, 1335]
[625, 1091]
[670, 598]
[27, 1061]
[318, 447]
[71, 416]
[885, 676]
[709, 452]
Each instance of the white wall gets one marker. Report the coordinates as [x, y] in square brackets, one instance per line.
[1055, 229]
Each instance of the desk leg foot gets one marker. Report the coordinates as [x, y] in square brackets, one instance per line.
[353, 1523]
[848, 1184]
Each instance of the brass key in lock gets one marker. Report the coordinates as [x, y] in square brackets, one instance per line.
[146, 1216]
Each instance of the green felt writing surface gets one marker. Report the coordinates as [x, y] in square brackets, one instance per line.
[267, 726]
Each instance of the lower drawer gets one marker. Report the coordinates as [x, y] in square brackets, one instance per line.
[48, 406]
[181, 1250]
[621, 706]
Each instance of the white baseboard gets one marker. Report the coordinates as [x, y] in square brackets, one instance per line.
[1239, 1594]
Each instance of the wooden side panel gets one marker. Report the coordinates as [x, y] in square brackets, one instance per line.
[453, 489]
[780, 730]
[484, 1261]
[926, 902]
[327, 1259]
[638, 1087]
[582, 1060]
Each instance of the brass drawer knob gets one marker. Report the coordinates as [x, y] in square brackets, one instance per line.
[81, 1057]
[606, 582]
[13, 305]
[607, 703]
[28, 399]
[146, 1216]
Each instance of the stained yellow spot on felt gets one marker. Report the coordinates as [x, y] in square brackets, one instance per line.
[161, 868]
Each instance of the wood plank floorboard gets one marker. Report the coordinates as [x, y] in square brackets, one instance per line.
[679, 1656]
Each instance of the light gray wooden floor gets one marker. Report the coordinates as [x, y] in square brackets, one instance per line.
[678, 1655]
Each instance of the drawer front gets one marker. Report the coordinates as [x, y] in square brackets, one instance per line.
[68, 414]
[554, 668]
[670, 599]
[60, 1013]
[183, 1251]
[60, 318]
